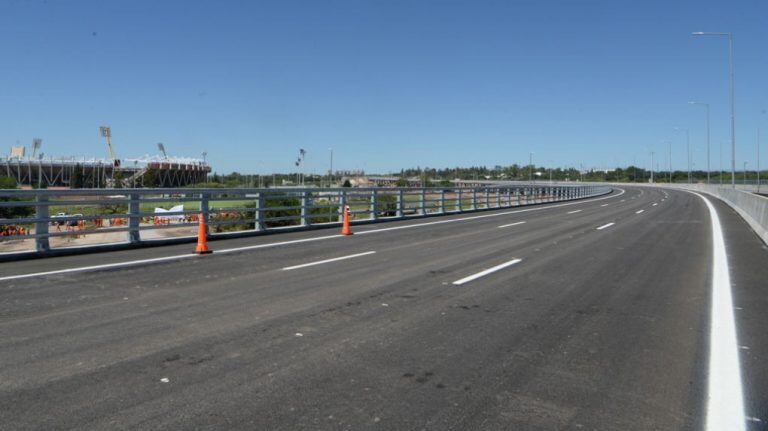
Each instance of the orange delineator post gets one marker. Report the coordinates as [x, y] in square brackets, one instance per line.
[345, 230]
[202, 240]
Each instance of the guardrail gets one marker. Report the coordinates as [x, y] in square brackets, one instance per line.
[32, 214]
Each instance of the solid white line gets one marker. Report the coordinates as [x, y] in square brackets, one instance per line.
[97, 267]
[638, 212]
[297, 241]
[512, 224]
[574, 212]
[159, 259]
[320, 262]
[486, 272]
[725, 403]
[605, 226]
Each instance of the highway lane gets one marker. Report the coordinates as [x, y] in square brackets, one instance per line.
[597, 329]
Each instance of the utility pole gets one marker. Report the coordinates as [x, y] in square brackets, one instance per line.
[652, 153]
[330, 170]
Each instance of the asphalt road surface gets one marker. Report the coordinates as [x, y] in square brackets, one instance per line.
[596, 314]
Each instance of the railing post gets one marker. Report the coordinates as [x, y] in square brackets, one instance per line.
[374, 206]
[458, 200]
[204, 210]
[498, 197]
[304, 209]
[42, 244]
[134, 221]
[519, 198]
[400, 212]
[423, 201]
[486, 195]
[342, 205]
[474, 199]
[442, 201]
[259, 214]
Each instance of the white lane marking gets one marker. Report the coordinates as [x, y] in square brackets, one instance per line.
[97, 267]
[385, 229]
[486, 272]
[639, 212]
[654, 204]
[512, 224]
[605, 226]
[623, 200]
[276, 244]
[320, 262]
[725, 403]
[296, 241]
[574, 211]
[604, 205]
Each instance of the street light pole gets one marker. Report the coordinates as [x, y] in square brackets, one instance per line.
[652, 153]
[730, 85]
[687, 149]
[330, 170]
[670, 162]
[530, 168]
[744, 181]
[706, 105]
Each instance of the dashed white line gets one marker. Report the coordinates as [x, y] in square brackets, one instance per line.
[512, 224]
[654, 204]
[604, 205]
[486, 272]
[574, 211]
[605, 226]
[296, 241]
[639, 212]
[320, 262]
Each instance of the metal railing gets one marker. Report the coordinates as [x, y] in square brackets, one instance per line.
[41, 214]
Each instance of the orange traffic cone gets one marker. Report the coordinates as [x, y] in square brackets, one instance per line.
[345, 225]
[202, 240]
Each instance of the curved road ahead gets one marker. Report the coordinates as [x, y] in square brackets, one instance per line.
[593, 314]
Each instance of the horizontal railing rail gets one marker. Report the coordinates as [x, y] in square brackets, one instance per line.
[39, 215]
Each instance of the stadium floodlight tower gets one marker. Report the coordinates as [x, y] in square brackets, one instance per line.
[36, 143]
[106, 132]
[161, 147]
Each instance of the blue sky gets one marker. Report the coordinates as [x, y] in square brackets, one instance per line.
[386, 84]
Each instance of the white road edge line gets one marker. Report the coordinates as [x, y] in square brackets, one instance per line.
[512, 224]
[605, 226]
[725, 403]
[574, 212]
[295, 241]
[486, 272]
[320, 262]
[639, 212]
